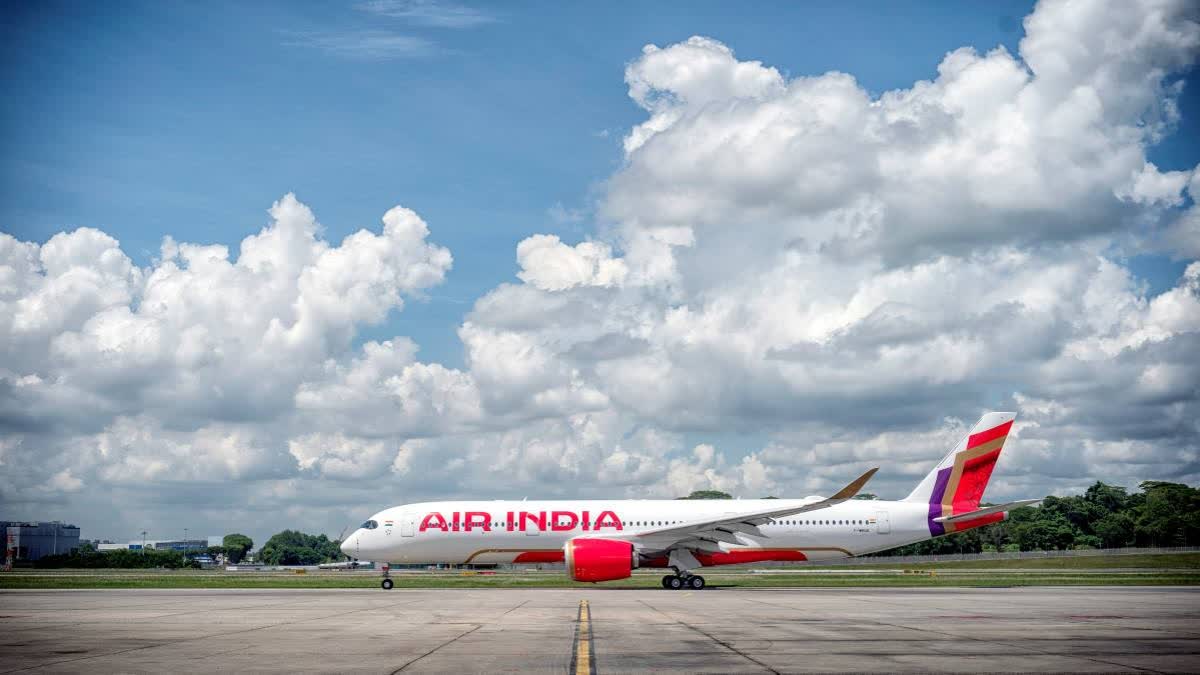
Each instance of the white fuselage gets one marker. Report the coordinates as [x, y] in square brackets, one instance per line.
[536, 531]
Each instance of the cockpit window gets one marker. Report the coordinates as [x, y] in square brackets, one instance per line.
[370, 525]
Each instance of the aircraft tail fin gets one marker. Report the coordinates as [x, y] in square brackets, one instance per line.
[956, 484]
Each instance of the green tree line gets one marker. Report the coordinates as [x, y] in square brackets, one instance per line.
[86, 556]
[1105, 516]
[285, 548]
[291, 547]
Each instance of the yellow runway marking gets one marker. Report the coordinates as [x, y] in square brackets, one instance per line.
[584, 660]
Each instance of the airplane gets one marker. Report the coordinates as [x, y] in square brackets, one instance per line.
[605, 540]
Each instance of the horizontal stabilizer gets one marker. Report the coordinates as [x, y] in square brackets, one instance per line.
[972, 515]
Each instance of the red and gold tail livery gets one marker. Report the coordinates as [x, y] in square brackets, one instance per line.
[955, 487]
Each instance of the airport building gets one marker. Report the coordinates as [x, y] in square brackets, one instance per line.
[32, 541]
[181, 545]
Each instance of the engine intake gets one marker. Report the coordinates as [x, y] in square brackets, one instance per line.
[599, 559]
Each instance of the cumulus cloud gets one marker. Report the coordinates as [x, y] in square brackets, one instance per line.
[796, 280]
[551, 265]
[998, 147]
[189, 369]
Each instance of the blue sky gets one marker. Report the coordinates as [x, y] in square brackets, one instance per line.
[149, 118]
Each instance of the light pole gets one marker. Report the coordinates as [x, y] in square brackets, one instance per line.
[143, 542]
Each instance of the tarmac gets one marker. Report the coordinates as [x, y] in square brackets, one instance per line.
[1037, 629]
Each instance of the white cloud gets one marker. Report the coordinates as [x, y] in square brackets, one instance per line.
[338, 456]
[1181, 237]
[1151, 186]
[996, 148]
[429, 12]
[366, 45]
[551, 265]
[188, 370]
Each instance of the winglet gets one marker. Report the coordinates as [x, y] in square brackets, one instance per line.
[852, 489]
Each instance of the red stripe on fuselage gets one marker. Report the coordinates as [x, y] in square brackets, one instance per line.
[992, 434]
[540, 557]
[748, 556]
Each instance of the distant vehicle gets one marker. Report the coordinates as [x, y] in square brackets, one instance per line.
[605, 540]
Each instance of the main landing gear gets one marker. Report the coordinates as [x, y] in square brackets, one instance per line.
[675, 582]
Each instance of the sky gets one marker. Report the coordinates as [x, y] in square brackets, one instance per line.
[268, 265]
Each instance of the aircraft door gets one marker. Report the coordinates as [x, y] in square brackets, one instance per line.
[883, 525]
[408, 525]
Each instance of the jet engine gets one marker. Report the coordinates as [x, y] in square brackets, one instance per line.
[599, 559]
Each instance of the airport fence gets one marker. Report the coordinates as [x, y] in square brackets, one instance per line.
[906, 559]
[1010, 555]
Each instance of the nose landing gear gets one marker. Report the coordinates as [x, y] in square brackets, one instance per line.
[386, 584]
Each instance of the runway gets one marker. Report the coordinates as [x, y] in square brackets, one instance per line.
[1060, 629]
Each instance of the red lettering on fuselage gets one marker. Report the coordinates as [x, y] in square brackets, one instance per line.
[477, 519]
[562, 521]
[557, 521]
[608, 519]
[433, 520]
[538, 519]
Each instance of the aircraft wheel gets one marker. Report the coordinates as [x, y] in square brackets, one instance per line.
[695, 583]
[675, 583]
[666, 581]
[387, 584]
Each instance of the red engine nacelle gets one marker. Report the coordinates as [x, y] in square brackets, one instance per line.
[599, 559]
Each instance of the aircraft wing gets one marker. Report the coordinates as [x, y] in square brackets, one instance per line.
[958, 517]
[705, 534]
